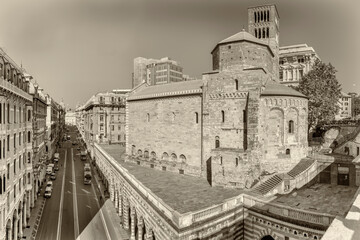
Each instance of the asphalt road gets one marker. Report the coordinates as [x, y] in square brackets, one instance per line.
[72, 205]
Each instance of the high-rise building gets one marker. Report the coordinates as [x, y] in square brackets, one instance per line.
[154, 71]
[344, 107]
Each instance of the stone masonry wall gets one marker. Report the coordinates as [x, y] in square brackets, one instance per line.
[274, 136]
[166, 126]
[230, 163]
[245, 54]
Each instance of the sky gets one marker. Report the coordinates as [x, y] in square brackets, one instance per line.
[75, 49]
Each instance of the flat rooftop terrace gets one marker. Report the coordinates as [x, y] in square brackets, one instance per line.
[181, 192]
[322, 198]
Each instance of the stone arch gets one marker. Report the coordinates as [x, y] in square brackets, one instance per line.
[153, 155]
[139, 152]
[146, 154]
[292, 118]
[165, 156]
[182, 158]
[275, 126]
[267, 232]
[173, 157]
[133, 147]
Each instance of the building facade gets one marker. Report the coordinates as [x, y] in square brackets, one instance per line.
[235, 123]
[70, 118]
[16, 150]
[345, 107]
[104, 118]
[295, 62]
[39, 134]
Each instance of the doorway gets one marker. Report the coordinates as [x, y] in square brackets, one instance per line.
[343, 176]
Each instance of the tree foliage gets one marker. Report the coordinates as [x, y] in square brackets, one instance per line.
[324, 91]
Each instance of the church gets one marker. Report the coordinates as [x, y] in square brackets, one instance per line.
[232, 126]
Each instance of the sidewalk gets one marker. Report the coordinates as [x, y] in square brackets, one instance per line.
[35, 217]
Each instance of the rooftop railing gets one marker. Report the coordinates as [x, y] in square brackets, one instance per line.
[10, 87]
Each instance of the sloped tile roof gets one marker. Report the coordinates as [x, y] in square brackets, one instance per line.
[277, 89]
[170, 89]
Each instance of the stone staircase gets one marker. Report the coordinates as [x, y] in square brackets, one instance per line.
[348, 137]
[269, 184]
[274, 181]
[304, 164]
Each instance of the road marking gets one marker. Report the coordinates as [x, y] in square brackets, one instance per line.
[85, 191]
[71, 182]
[58, 235]
[101, 213]
[76, 217]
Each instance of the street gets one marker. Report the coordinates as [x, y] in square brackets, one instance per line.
[72, 205]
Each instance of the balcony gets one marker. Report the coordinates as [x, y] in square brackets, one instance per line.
[10, 87]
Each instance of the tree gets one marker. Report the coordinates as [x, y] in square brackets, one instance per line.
[324, 91]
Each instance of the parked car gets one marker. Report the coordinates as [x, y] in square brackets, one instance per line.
[56, 168]
[53, 176]
[48, 191]
[49, 184]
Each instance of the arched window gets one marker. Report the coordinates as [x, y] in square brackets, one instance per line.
[221, 160]
[291, 126]
[287, 151]
[256, 33]
[173, 157]
[29, 157]
[268, 15]
[217, 142]
[262, 16]
[29, 137]
[222, 116]
[0, 148]
[182, 158]
[139, 152]
[165, 156]
[236, 84]
[1, 186]
[148, 117]
[196, 117]
[4, 183]
[236, 161]
[173, 116]
[153, 155]
[263, 33]
[146, 154]
[255, 17]
[267, 33]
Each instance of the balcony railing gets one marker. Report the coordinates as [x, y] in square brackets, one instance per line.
[10, 87]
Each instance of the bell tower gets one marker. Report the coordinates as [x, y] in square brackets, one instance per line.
[263, 23]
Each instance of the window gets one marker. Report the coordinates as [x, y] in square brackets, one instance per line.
[217, 142]
[14, 114]
[287, 151]
[14, 166]
[29, 157]
[29, 115]
[19, 140]
[101, 118]
[8, 113]
[112, 128]
[357, 150]
[148, 117]
[8, 142]
[291, 126]
[29, 137]
[236, 84]
[0, 113]
[196, 117]
[236, 161]
[19, 162]
[222, 116]
[119, 137]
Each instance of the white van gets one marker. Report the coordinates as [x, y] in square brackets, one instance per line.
[56, 157]
[49, 184]
[48, 191]
[49, 170]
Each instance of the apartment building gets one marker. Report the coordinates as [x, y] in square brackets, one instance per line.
[104, 118]
[16, 150]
